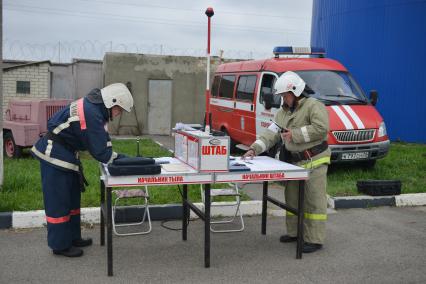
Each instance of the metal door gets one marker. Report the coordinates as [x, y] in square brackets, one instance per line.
[159, 107]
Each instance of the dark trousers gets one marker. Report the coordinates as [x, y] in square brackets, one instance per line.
[61, 194]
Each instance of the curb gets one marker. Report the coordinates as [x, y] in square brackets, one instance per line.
[362, 201]
[412, 199]
[91, 215]
[365, 201]
[35, 219]
[5, 220]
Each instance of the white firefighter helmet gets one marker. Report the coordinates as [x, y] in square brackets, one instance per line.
[289, 82]
[117, 94]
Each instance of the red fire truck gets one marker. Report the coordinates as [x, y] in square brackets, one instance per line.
[242, 102]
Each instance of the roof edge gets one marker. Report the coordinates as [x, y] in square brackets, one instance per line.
[27, 64]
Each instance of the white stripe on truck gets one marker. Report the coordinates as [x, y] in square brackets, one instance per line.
[345, 120]
[355, 117]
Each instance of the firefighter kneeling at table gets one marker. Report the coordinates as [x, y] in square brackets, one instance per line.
[78, 127]
[302, 124]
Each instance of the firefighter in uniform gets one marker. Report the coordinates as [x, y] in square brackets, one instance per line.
[81, 126]
[302, 124]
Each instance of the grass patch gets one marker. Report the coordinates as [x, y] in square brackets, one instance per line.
[22, 182]
[405, 162]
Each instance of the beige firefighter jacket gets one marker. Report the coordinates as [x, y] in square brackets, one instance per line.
[309, 126]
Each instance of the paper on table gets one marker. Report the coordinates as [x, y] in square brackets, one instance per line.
[175, 167]
[263, 163]
[163, 160]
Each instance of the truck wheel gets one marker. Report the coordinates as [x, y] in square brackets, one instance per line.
[11, 150]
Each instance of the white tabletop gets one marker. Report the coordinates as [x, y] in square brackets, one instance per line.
[187, 176]
[262, 168]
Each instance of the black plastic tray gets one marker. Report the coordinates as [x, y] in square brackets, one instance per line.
[126, 170]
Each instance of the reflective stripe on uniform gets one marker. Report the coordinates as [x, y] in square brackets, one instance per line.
[75, 212]
[76, 114]
[315, 163]
[54, 161]
[58, 220]
[261, 145]
[305, 134]
[80, 111]
[113, 156]
[73, 109]
[66, 124]
[316, 217]
[49, 147]
[311, 216]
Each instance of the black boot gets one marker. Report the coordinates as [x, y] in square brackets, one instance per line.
[69, 252]
[82, 242]
[311, 247]
[287, 239]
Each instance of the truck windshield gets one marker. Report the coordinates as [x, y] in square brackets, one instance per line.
[333, 87]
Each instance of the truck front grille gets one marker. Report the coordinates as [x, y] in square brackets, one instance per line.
[364, 135]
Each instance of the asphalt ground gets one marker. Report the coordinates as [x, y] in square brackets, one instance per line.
[380, 245]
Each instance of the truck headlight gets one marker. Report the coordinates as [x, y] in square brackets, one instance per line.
[382, 129]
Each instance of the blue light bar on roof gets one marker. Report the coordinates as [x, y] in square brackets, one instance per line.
[298, 50]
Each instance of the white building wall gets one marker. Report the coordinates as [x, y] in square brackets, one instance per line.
[39, 77]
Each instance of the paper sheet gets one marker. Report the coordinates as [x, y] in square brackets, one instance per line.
[263, 163]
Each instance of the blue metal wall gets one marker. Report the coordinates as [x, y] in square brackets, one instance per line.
[383, 44]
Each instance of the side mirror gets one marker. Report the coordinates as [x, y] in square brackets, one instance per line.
[374, 96]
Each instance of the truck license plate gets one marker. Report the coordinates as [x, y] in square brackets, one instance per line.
[355, 156]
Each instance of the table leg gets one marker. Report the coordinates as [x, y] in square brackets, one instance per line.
[185, 210]
[300, 218]
[264, 206]
[207, 226]
[109, 230]
[102, 213]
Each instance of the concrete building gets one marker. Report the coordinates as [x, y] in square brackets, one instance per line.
[31, 80]
[166, 90]
[69, 80]
[75, 80]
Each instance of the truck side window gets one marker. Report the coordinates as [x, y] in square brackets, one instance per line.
[226, 89]
[246, 85]
[215, 86]
[267, 87]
